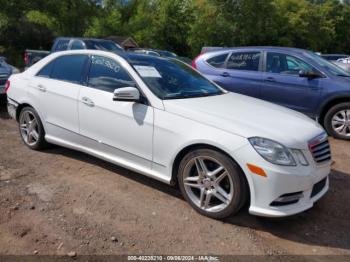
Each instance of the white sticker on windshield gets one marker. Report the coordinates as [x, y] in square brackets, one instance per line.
[147, 71]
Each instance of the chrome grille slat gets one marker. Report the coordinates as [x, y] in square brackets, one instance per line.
[320, 148]
[322, 152]
[328, 156]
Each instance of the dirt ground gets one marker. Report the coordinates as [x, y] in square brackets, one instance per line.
[60, 201]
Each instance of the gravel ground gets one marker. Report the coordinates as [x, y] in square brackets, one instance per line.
[60, 202]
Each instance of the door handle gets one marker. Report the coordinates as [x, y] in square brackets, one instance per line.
[42, 88]
[225, 74]
[87, 101]
[270, 79]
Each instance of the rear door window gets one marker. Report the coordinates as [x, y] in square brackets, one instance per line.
[218, 60]
[107, 75]
[248, 61]
[69, 68]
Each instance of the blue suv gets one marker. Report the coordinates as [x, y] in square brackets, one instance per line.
[295, 78]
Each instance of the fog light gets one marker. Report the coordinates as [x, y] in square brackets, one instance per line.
[288, 199]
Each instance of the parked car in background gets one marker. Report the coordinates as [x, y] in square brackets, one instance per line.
[344, 60]
[295, 78]
[337, 60]
[71, 43]
[5, 71]
[33, 56]
[161, 53]
[333, 57]
[344, 63]
[211, 48]
[159, 117]
[154, 52]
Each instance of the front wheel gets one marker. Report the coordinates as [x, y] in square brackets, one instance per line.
[337, 121]
[212, 183]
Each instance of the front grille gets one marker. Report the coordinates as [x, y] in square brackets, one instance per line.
[320, 148]
[318, 187]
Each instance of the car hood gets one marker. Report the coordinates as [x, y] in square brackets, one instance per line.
[248, 117]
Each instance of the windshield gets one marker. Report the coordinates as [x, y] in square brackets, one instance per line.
[103, 45]
[330, 67]
[172, 79]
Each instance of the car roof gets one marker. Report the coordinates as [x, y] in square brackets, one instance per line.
[129, 56]
[262, 48]
[151, 49]
[82, 38]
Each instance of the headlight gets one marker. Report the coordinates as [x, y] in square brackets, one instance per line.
[299, 155]
[272, 151]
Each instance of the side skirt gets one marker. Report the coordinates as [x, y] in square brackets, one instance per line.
[103, 152]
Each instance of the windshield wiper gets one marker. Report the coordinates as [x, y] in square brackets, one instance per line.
[189, 95]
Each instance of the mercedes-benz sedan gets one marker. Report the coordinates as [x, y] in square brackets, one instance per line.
[161, 118]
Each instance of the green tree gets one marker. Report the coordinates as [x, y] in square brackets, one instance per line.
[64, 17]
[107, 22]
[162, 24]
[172, 25]
[253, 22]
[338, 13]
[142, 24]
[209, 27]
[305, 25]
[182, 26]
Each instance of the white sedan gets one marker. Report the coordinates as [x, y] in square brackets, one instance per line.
[161, 118]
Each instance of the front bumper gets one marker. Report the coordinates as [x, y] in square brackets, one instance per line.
[282, 180]
[305, 203]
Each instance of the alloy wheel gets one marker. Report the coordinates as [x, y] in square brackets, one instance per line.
[29, 128]
[341, 122]
[208, 184]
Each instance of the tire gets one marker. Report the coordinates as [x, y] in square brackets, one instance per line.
[336, 118]
[227, 188]
[31, 129]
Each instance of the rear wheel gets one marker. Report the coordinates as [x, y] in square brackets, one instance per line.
[337, 121]
[31, 129]
[212, 183]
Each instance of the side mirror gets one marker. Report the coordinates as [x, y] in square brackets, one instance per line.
[127, 94]
[309, 74]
